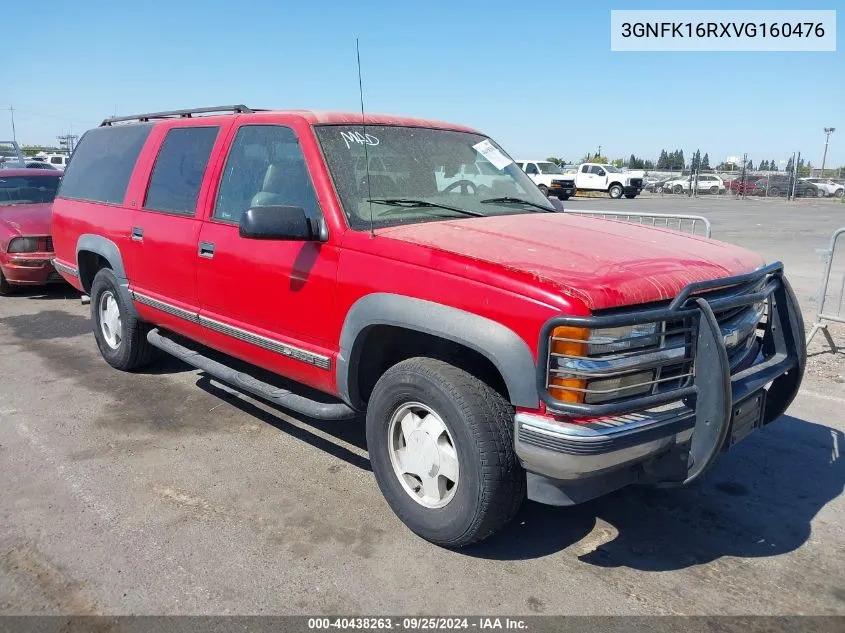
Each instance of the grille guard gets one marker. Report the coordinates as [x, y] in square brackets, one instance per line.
[713, 388]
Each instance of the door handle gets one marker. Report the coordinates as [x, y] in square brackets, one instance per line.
[206, 250]
[137, 234]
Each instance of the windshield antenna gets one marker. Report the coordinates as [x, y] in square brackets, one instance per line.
[364, 126]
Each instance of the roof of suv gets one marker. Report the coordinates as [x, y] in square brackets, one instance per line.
[323, 117]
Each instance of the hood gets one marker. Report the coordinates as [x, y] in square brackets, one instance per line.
[27, 219]
[604, 263]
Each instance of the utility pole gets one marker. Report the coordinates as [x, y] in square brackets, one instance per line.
[599, 152]
[827, 132]
[14, 136]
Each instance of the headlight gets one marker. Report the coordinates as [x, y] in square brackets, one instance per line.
[23, 245]
[619, 339]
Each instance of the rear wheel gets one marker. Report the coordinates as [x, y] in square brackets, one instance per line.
[714, 190]
[615, 191]
[678, 189]
[544, 190]
[821, 193]
[774, 191]
[839, 193]
[120, 335]
[441, 448]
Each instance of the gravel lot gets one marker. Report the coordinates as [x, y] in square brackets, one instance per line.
[166, 493]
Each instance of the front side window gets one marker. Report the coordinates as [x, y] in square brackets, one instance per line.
[430, 174]
[179, 168]
[531, 168]
[103, 162]
[27, 189]
[598, 171]
[266, 167]
[56, 160]
[549, 168]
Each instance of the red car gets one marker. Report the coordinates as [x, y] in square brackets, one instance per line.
[26, 248]
[497, 347]
[738, 186]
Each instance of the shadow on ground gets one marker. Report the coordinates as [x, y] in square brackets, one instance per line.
[758, 501]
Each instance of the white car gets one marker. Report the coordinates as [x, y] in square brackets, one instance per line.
[706, 183]
[59, 161]
[829, 187]
[550, 178]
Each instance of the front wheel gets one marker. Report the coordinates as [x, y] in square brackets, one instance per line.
[714, 190]
[615, 191]
[441, 448]
[563, 196]
[678, 189]
[821, 193]
[120, 334]
[839, 193]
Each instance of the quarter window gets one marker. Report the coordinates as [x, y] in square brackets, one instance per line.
[265, 167]
[177, 176]
[103, 162]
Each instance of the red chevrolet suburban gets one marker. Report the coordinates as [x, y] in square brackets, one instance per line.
[499, 348]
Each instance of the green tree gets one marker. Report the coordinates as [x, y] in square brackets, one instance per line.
[618, 162]
[695, 163]
[763, 166]
[804, 170]
[789, 165]
[560, 162]
[648, 164]
[773, 166]
[31, 150]
[705, 162]
[663, 160]
[749, 164]
[594, 158]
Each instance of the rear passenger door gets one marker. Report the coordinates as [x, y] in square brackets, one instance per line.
[165, 229]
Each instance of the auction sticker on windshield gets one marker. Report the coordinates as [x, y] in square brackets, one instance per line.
[492, 153]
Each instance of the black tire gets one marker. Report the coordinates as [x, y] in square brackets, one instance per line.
[714, 190]
[821, 193]
[630, 196]
[5, 286]
[563, 196]
[839, 193]
[133, 351]
[491, 486]
[615, 191]
[773, 191]
[678, 189]
[544, 190]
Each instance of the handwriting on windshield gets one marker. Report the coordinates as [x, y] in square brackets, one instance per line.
[358, 138]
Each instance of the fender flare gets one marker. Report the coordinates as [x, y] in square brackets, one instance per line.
[503, 347]
[111, 253]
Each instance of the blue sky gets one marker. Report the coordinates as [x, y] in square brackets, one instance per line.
[539, 77]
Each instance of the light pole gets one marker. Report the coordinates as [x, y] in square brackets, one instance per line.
[827, 132]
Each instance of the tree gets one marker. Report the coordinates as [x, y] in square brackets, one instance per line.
[618, 162]
[695, 163]
[804, 170]
[789, 165]
[763, 166]
[31, 150]
[560, 162]
[663, 161]
[749, 164]
[773, 166]
[594, 158]
[705, 162]
[648, 164]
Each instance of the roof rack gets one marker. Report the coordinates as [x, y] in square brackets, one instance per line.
[184, 114]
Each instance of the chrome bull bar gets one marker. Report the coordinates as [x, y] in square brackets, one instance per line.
[825, 316]
[692, 224]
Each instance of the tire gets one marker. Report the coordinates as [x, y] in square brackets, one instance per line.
[839, 193]
[630, 196]
[5, 286]
[123, 343]
[659, 189]
[678, 189]
[773, 191]
[714, 190]
[563, 196]
[489, 485]
[544, 190]
[821, 193]
[615, 191]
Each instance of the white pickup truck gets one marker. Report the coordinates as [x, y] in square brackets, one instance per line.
[597, 177]
[550, 178]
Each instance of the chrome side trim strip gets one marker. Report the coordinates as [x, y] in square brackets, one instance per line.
[64, 268]
[165, 307]
[318, 360]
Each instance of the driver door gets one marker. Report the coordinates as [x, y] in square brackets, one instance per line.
[266, 300]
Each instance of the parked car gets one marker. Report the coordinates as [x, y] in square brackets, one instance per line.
[781, 185]
[657, 185]
[706, 183]
[26, 164]
[59, 161]
[597, 177]
[26, 247]
[496, 349]
[740, 185]
[827, 187]
[550, 178]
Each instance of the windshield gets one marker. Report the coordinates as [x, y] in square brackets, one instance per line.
[27, 189]
[417, 174]
[549, 168]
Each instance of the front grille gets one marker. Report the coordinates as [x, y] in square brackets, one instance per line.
[49, 245]
[667, 364]
[636, 182]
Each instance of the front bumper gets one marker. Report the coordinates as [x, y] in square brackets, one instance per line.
[631, 190]
[674, 437]
[29, 269]
[562, 188]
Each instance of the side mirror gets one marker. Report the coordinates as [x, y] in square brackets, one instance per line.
[277, 223]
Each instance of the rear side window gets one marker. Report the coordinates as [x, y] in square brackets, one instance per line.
[103, 162]
[177, 176]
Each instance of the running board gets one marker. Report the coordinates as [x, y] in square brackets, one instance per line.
[245, 382]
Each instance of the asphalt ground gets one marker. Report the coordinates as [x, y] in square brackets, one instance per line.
[167, 493]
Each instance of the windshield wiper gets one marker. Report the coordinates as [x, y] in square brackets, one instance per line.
[411, 203]
[517, 201]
